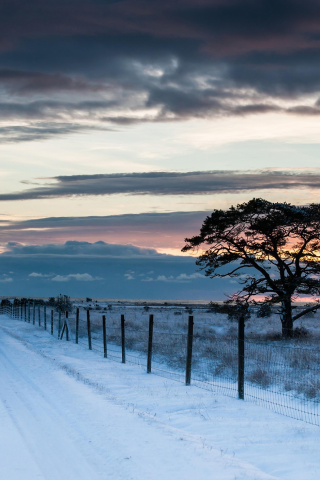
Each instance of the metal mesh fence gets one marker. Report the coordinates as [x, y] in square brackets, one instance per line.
[215, 362]
[283, 376]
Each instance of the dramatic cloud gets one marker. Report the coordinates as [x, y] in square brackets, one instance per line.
[122, 62]
[75, 248]
[39, 131]
[26, 83]
[157, 230]
[168, 183]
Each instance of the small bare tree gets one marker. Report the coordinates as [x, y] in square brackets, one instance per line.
[273, 249]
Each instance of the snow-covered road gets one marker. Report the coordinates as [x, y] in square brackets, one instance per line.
[66, 414]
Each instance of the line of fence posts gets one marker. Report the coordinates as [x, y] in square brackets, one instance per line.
[241, 351]
[23, 312]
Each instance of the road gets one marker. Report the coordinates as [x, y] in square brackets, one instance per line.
[55, 424]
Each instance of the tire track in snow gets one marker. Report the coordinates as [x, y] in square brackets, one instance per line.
[39, 425]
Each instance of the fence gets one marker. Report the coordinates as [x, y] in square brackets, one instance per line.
[283, 377]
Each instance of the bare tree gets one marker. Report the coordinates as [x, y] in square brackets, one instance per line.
[273, 249]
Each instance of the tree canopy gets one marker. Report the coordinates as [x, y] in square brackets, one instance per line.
[272, 249]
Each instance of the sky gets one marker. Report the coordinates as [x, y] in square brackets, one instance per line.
[125, 123]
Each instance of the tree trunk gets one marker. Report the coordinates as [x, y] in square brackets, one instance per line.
[286, 319]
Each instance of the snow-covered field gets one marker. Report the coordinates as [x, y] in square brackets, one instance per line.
[67, 413]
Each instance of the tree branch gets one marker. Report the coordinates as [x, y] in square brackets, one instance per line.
[307, 310]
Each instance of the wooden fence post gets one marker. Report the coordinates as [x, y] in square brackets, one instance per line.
[123, 340]
[39, 318]
[89, 330]
[77, 326]
[28, 312]
[189, 350]
[150, 343]
[67, 327]
[45, 316]
[34, 312]
[241, 358]
[51, 322]
[104, 331]
[59, 324]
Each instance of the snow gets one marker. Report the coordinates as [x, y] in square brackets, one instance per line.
[67, 413]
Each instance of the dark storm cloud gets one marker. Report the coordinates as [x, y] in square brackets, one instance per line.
[26, 83]
[79, 248]
[51, 109]
[109, 60]
[167, 183]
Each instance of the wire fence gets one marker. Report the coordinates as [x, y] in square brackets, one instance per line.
[283, 377]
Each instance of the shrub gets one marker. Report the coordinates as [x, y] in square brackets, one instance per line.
[264, 311]
[260, 377]
[300, 332]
